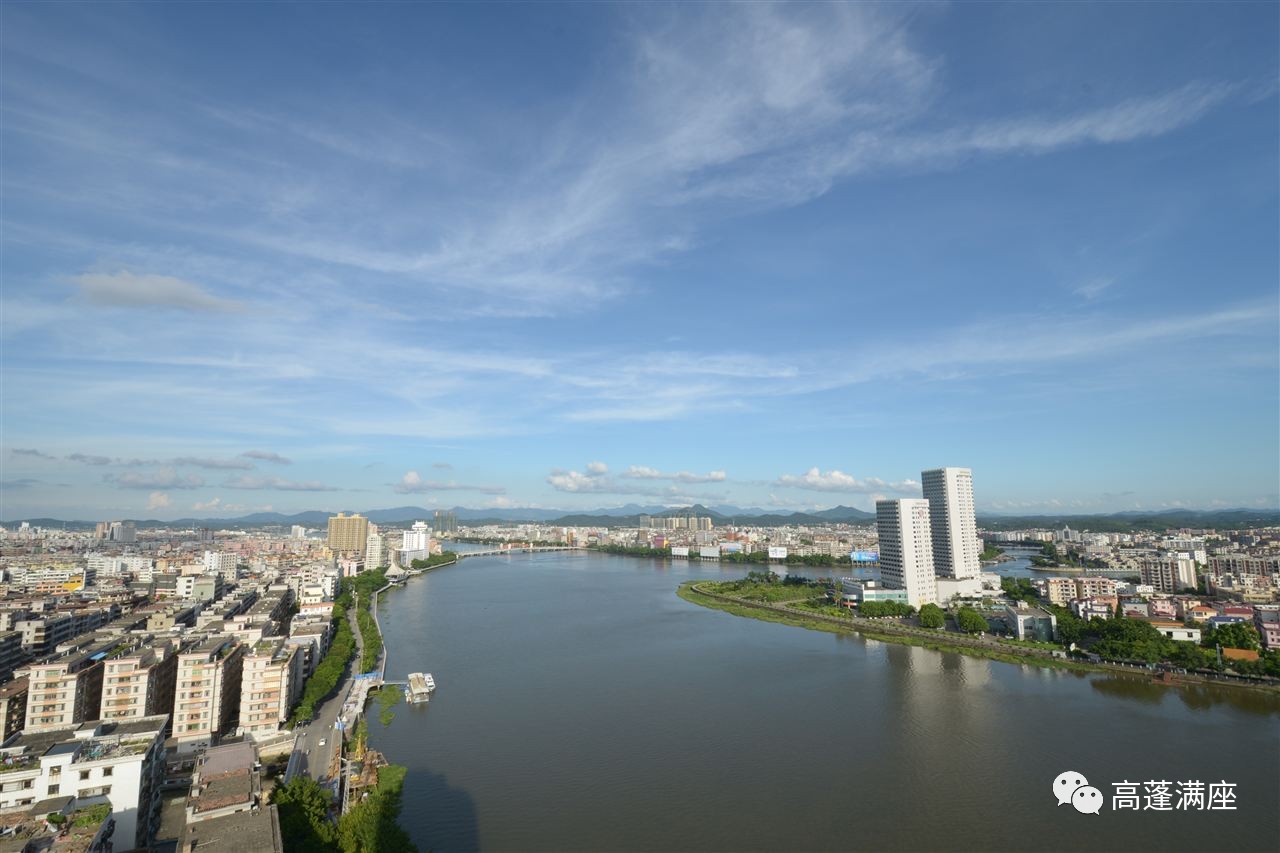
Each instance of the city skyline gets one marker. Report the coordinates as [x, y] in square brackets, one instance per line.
[584, 256]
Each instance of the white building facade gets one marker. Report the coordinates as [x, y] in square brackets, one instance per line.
[953, 521]
[906, 548]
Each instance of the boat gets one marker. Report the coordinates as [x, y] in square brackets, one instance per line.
[420, 686]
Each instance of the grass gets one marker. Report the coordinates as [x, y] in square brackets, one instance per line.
[388, 698]
[772, 593]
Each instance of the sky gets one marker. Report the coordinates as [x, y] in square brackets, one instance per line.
[325, 256]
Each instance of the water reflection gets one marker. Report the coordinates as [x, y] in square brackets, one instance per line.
[1198, 697]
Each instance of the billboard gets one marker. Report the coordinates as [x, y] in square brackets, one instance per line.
[777, 552]
[865, 556]
[731, 548]
[680, 550]
[710, 552]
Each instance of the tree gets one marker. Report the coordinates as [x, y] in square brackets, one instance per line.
[931, 616]
[303, 807]
[371, 824]
[1236, 635]
[970, 620]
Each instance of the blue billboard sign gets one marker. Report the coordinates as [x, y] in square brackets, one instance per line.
[865, 556]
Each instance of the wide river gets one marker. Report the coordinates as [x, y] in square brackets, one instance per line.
[583, 706]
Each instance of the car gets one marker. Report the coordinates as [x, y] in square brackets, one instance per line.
[323, 742]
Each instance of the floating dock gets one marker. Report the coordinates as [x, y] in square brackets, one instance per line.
[420, 686]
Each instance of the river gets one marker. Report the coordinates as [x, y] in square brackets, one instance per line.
[583, 706]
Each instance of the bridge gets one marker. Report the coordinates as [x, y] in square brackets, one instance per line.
[519, 549]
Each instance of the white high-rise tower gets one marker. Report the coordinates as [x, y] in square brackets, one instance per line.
[906, 549]
[954, 522]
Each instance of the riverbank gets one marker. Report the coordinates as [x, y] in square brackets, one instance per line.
[894, 632]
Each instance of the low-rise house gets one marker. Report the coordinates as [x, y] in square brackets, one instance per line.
[1031, 623]
[1177, 631]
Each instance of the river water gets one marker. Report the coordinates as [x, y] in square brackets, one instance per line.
[583, 706]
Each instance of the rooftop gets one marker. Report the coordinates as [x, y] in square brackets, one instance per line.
[256, 831]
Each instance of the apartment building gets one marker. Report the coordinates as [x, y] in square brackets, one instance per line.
[42, 634]
[953, 522]
[348, 532]
[64, 691]
[12, 654]
[121, 761]
[1092, 587]
[1059, 591]
[13, 707]
[271, 682]
[207, 697]
[140, 682]
[1168, 574]
[906, 548]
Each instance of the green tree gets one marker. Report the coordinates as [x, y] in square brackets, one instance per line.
[303, 807]
[931, 616]
[970, 620]
[371, 825]
[1236, 635]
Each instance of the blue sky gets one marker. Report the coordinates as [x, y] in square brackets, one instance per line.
[325, 256]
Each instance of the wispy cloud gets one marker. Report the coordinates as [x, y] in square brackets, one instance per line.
[158, 500]
[124, 289]
[277, 484]
[266, 456]
[163, 478]
[32, 452]
[211, 462]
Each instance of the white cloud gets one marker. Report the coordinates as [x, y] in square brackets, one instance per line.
[643, 472]
[597, 468]
[838, 481]
[212, 504]
[413, 484]
[158, 500]
[32, 452]
[125, 289]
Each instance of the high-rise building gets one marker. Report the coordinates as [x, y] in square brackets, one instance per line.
[375, 553]
[298, 532]
[906, 548]
[445, 521]
[348, 532]
[140, 682]
[222, 563]
[949, 492]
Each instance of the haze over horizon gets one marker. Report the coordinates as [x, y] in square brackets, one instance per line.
[579, 256]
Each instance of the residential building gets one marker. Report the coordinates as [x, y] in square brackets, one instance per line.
[348, 532]
[12, 654]
[121, 761]
[222, 563]
[64, 691]
[207, 698]
[1091, 586]
[13, 707]
[906, 548]
[1177, 631]
[1059, 591]
[1168, 574]
[1093, 608]
[1031, 623]
[375, 552]
[140, 682]
[953, 522]
[271, 681]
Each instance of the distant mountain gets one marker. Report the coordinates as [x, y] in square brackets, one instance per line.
[1134, 520]
[629, 515]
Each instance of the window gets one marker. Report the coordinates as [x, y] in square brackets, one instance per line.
[107, 771]
[53, 789]
[84, 774]
[55, 770]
